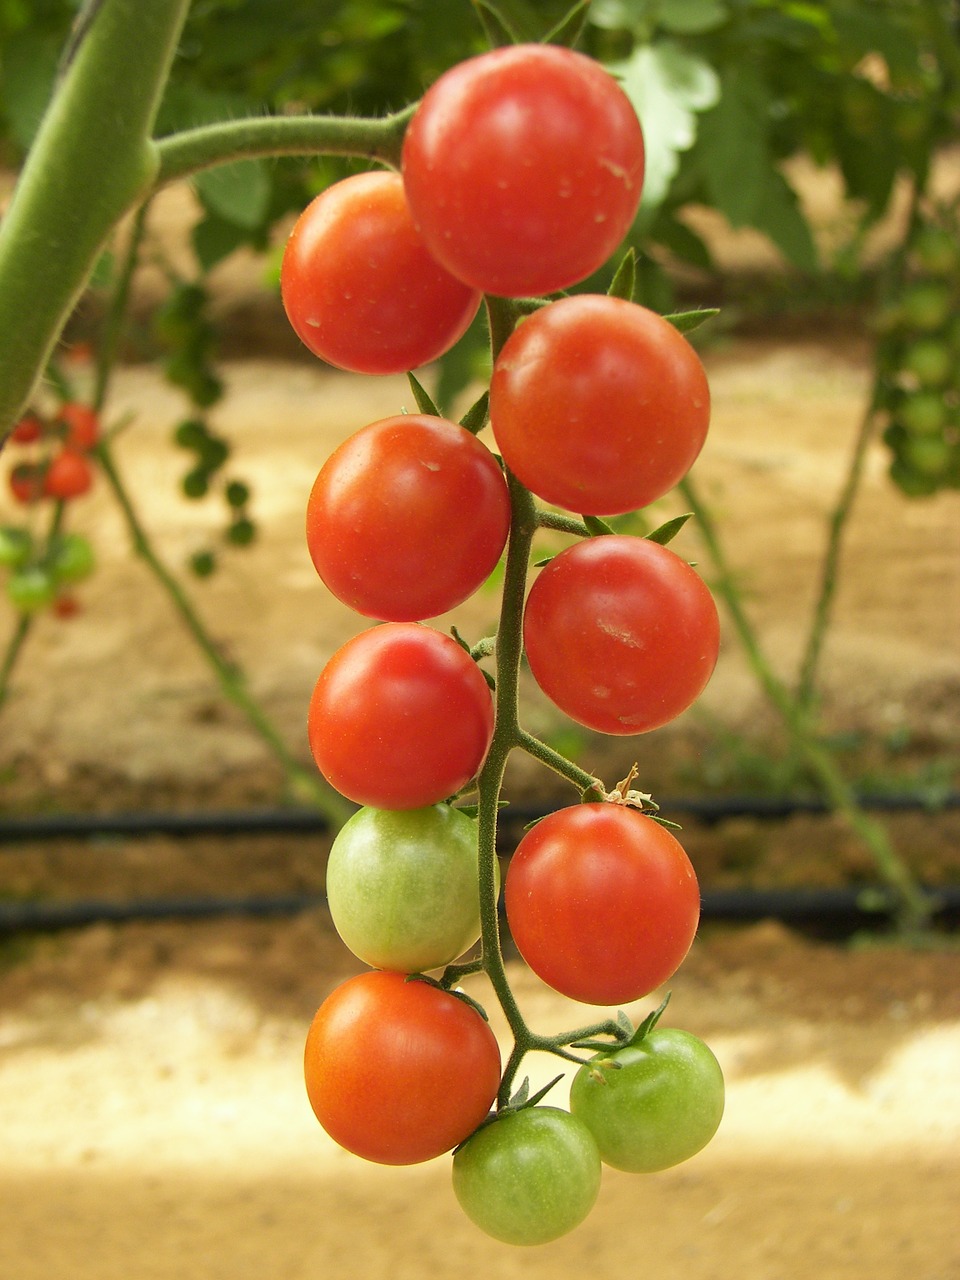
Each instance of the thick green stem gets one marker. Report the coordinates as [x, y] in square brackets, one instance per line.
[912, 907]
[13, 650]
[91, 162]
[193, 150]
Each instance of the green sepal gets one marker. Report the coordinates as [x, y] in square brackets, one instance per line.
[450, 991]
[687, 321]
[597, 526]
[624, 283]
[666, 532]
[649, 1022]
[423, 398]
[496, 28]
[570, 27]
[478, 415]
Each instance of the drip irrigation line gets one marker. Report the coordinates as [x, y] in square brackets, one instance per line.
[826, 910]
[295, 821]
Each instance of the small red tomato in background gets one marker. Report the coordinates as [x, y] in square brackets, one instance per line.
[79, 424]
[398, 1071]
[28, 430]
[400, 718]
[599, 405]
[26, 482]
[407, 518]
[359, 286]
[68, 475]
[602, 902]
[523, 168]
[621, 634]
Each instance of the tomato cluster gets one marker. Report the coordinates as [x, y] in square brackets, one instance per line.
[53, 462]
[521, 174]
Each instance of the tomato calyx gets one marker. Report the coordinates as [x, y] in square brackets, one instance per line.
[451, 990]
[522, 1100]
[622, 794]
[631, 1038]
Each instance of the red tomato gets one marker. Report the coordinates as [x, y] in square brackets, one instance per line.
[407, 518]
[28, 430]
[602, 902]
[80, 425]
[620, 633]
[69, 475]
[523, 169]
[26, 482]
[400, 718]
[599, 405]
[359, 286]
[398, 1071]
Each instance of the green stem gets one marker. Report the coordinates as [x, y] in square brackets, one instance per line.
[12, 653]
[231, 680]
[912, 907]
[91, 162]
[189, 152]
[557, 762]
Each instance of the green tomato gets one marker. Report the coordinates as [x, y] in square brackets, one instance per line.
[922, 413]
[72, 559]
[926, 305]
[930, 361]
[659, 1105]
[16, 546]
[402, 886]
[30, 590]
[529, 1176]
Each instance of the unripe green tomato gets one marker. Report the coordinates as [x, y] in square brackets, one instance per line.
[922, 413]
[402, 886]
[927, 455]
[930, 361]
[15, 547]
[72, 559]
[938, 251]
[529, 1176]
[241, 532]
[660, 1104]
[926, 305]
[910, 482]
[196, 483]
[30, 590]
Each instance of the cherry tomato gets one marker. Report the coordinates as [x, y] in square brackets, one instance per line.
[660, 1104]
[407, 518]
[402, 886]
[28, 430]
[621, 634]
[599, 405]
[30, 589]
[26, 482]
[602, 902]
[400, 718]
[397, 1070]
[523, 168]
[528, 1177]
[72, 558]
[16, 546]
[79, 424]
[68, 475]
[359, 286]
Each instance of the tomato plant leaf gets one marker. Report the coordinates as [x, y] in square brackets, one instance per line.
[423, 398]
[669, 87]
[624, 283]
[667, 531]
[238, 192]
[692, 17]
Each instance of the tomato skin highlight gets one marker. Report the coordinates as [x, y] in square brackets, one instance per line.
[621, 634]
[523, 169]
[359, 286]
[529, 1176]
[400, 718]
[602, 902]
[599, 405]
[402, 887]
[398, 1071]
[407, 518]
[660, 1106]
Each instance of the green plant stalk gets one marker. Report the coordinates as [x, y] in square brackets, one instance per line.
[912, 907]
[91, 162]
[13, 650]
[232, 683]
[193, 150]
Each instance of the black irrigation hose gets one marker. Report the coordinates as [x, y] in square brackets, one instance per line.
[292, 821]
[828, 911]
